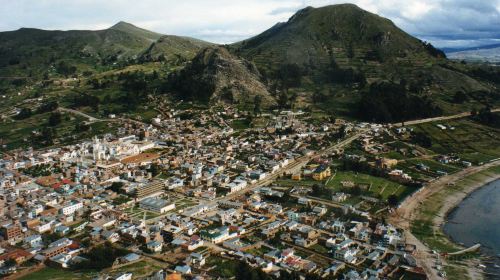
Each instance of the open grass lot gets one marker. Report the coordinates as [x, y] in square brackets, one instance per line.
[49, 273]
[240, 124]
[471, 141]
[306, 182]
[139, 269]
[411, 170]
[136, 212]
[378, 187]
[222, 267]
[184, 203]
[258, 251]
[145, 114]
[435, 166]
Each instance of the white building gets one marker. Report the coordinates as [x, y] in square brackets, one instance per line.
[236, 185]
[71, 207]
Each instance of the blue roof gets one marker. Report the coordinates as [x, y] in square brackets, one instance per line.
[132, 257]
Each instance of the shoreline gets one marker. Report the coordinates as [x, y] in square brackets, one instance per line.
[453, 202]
[439, 198]
[450, 204]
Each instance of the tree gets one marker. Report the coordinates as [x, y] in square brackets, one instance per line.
[10, 262]
[388, 101]
[154, 169]
[460, 97]
[312, 276]
[46, 137]
[392, 200]
[116, 187]
[65, 69]
[257, 104]
[47, 107]
[285, 275]
[356, 190]
[316, 190]
[246, 272]
[422, 139]
[24, 114]
[55, 119]
[290, 75]
[283, 100]
[101, 257]
[81, 127]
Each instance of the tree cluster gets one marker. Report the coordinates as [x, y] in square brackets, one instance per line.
[55, 119]
[23, 114]
[421, 139]
[84, 100]
[390, 102]
[347, 76]
[101, 257]
[486, 117]
[65, 69]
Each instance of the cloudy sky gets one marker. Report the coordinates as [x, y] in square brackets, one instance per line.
[446, 23]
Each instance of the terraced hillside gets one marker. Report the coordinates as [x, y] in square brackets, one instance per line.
[341, 49]
[336, 60]
[35, 54]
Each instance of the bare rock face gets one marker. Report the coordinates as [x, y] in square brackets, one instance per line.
[216, 76]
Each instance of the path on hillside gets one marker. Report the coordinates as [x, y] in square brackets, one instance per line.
[94, 119]
[89, 117]
[443, 118]
[408, 211]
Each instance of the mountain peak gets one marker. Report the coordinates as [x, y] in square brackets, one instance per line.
[123, 25]
[132, 29]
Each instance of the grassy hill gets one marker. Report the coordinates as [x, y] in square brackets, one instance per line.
[329, 57]
[174, 49]
[336, 60]
[136, 31]
[315, 37]
[30, 55]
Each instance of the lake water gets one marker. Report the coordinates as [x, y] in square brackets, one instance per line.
[477, 220]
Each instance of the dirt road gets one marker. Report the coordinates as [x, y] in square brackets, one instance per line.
[443, 118]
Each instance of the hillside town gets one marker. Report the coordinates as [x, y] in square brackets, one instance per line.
[189, 194]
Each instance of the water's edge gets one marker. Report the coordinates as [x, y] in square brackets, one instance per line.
[476, 219]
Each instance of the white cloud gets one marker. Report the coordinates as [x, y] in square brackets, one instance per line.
[231, 20]
[416, 10]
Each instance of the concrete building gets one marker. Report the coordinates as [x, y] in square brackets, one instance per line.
[157, 205]
[149, 189]
[71, 207]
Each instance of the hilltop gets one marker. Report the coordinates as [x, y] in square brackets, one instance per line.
[136, 31]
[175, 49]
[36, 53]
[329, 57]
[215, 76]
